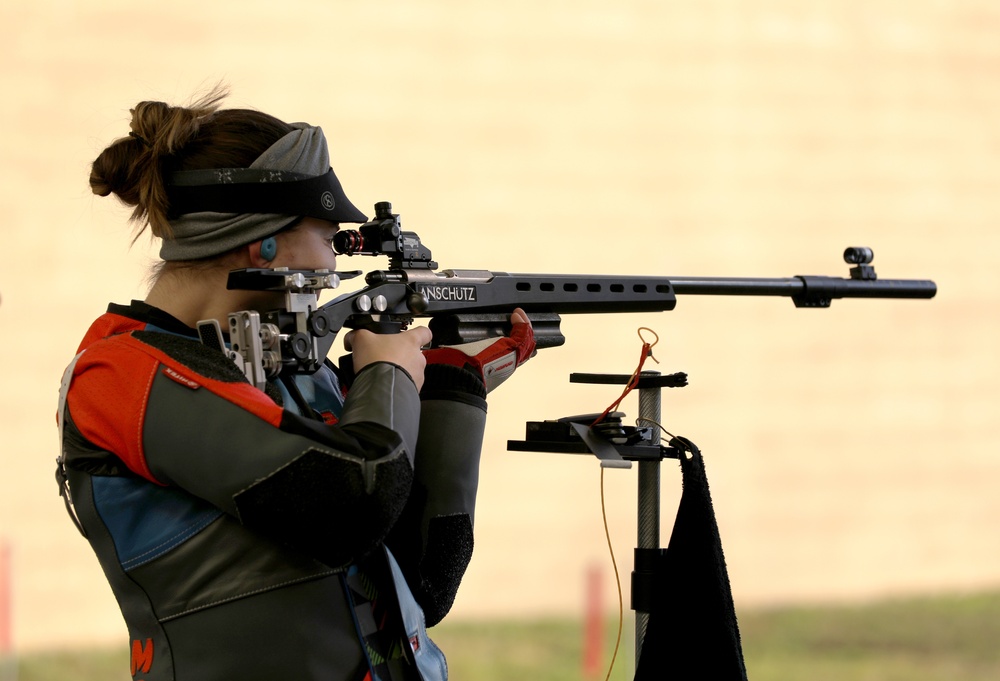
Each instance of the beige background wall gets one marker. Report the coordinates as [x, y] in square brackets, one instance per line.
[851, 451]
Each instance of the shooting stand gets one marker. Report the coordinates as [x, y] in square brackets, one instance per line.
[692, 566]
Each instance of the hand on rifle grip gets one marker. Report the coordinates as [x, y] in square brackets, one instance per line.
[492, 359]
[401, 349]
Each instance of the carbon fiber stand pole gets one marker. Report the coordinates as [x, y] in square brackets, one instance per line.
[649, 495]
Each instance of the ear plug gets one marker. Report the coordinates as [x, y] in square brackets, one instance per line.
[268, 248]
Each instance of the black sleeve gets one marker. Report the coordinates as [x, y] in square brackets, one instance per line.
[433, 540]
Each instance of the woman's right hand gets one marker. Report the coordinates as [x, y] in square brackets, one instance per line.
[402, 349]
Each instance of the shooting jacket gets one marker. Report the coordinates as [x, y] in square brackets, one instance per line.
[246, 539]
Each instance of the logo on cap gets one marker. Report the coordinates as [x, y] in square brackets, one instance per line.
[327, 200]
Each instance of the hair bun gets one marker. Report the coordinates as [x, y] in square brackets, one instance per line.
[166, 129]
[131, 168]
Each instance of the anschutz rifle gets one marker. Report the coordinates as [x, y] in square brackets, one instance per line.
[470, 305]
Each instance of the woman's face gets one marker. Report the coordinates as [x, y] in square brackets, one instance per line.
[307, 246]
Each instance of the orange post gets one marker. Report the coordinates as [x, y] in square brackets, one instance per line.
[6, 606]
[593, 625]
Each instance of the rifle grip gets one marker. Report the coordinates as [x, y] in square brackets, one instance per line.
[346, 370]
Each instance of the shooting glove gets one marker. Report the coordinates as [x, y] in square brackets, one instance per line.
[493, 360]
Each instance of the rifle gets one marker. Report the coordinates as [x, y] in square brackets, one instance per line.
[470, 305]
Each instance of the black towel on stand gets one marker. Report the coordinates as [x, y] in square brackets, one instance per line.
[692, 631]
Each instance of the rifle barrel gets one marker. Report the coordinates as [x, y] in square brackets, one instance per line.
[804, 286]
